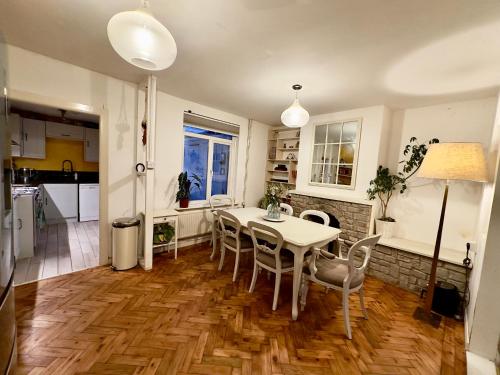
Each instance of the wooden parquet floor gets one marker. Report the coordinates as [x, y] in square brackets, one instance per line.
[184, 317]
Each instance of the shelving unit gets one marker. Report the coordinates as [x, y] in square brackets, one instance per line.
[282, 156]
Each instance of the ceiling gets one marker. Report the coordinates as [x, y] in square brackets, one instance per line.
[53, 112]
[243, 56]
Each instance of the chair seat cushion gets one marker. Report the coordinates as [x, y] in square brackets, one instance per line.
[245, 242]
[270, 260]
[334, 273]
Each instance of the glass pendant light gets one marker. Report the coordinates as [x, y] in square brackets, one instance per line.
[141, 39]
[295, 116]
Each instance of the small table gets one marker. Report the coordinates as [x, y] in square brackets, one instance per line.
[167, 216]
[299, 236]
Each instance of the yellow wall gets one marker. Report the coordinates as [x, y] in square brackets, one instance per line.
[57, 150]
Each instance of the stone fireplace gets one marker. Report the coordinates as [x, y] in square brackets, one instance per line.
[354, 218]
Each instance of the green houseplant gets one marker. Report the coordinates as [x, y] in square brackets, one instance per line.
[163, 233]
[272, 199]
[385, 183]
[185, 186]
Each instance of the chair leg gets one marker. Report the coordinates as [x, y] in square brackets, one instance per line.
[268, 275]
[303, 292]
[362, 302]
[222, 253]
[256, 269]
[236, 265]
[214, 244]
[345, 308]
[277, 282]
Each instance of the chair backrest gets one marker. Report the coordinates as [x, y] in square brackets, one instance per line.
[366, 245]
[230, 226]
[322, 215]
[266, 240]
[218, 200]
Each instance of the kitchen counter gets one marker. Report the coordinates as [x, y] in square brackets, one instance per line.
[59, 177]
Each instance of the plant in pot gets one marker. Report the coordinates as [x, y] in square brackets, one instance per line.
[185, 186]
[272, 199]
[163, 233]
[385, 183]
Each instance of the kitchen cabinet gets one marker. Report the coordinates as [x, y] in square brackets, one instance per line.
[64, 131]
[16, 227]
[91, 145]
[60, 203]
[15, 134]
[33, 133]
[24, 239]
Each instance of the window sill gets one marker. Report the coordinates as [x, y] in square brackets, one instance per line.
[202, 207]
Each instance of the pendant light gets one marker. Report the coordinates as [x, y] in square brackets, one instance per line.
[295, 116]
[141, 39]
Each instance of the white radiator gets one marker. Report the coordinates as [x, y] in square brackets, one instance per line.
[194, 223]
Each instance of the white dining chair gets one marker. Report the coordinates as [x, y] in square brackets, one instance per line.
[320, 214]
[216, 202]
[284, 209]
[232, 239]
[270, 255]
[339, 273]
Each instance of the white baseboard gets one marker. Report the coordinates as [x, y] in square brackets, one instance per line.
[477, 365]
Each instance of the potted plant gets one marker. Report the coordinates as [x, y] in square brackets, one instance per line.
[272, 199]
[163, 233]
[385, 183]
[185, 186]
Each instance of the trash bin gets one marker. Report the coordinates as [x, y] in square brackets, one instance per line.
[125, 232]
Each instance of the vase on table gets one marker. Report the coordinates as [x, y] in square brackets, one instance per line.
[273, 211]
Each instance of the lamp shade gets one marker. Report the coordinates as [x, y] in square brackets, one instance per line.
[142, 40]
[454, 161]
[295, 116]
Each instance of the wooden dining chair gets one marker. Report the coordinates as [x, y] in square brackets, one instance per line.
[232, 239]
[216, 201]
[270, 255]
[340, 274]
[319, 214]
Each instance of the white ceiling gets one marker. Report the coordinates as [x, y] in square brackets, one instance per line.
[243, 56]
[54, 112]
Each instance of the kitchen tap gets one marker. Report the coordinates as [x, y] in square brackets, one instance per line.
[70, 166]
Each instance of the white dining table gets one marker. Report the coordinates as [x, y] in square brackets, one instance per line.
[299, 235]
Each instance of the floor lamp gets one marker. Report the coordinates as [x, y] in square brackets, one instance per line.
[448, 161]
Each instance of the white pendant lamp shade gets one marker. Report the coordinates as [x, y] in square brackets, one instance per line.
[142, 40]
[295, 116]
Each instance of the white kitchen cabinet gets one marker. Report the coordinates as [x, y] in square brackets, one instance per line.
[64, 131]
[16, 227]
[24, 240]
[33, 134]
[91, 145]
[15, 134]
[60, 203]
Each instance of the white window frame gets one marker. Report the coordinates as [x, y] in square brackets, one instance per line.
[356, 153]
[233, 143]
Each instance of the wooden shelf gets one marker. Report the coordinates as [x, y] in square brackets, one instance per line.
[287, 149]
[282, 137]
[274, 171]
[282, 161]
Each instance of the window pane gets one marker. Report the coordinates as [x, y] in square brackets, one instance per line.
[332, 153]
[317, 173]
[345, 175]
[320, 135]
[334, 133]
[220, 168]
[196, 163]
[330, 174]
[211, 133]
[349, 131]
[318, 153]
[347, 153]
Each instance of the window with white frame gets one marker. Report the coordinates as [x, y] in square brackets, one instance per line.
[335, 153]
[209, 155]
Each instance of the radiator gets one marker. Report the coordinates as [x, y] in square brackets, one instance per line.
[195, 223]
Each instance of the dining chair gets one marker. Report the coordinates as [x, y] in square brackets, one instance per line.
[319, 214]
[216, 201]
[284, 209]
[270, 255]
[232, 239]
[340, 273]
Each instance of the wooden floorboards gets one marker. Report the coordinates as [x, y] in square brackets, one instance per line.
[61, 249]
[185, 317]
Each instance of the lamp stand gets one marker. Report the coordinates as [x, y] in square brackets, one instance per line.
[425, 314]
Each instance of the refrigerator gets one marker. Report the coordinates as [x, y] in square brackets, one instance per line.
[7, 303]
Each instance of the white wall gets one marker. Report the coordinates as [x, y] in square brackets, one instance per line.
[417, 211]
[375, 124]
[42, 76]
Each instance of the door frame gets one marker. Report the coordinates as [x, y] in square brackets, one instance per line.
[104, 234]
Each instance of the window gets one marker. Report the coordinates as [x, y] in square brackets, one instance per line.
[209, 155]
[335, 151]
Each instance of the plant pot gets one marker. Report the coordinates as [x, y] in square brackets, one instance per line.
[385, 228]
[184, 202]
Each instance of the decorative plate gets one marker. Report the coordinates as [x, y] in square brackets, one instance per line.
[267, 218]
